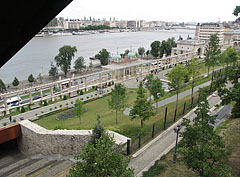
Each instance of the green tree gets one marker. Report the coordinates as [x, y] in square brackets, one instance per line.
[79, 109]
[53, 71]
[97, 131]
[155, 48]
[79, 64]
[103, 56]
[101, 159]
[147, 53]
[149, 79]
[193, 70]
[31, 79]
[118, 99]
[230, 94]
[40, 78]
[141, 51]
[15, 82]
[202, 149]
[212, 52]
[236, 12]
[165, 48]
[2, 85]
[172, 42]
[231, 56]
[64, 58]
[156, 90]
[176, 78]
[90, 65]
[126, 53]
[142, 107]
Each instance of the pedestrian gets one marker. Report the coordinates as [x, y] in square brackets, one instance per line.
[10, 118]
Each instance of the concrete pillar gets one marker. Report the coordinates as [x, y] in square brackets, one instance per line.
[51, 92]
[41, 93]
[5, 103]
[124, 73]
[129, 72]
[149, 67]
[30, 97]
[85, 79]
[18, 99]
[70, 85]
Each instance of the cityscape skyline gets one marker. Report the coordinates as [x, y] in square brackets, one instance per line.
[205, 11]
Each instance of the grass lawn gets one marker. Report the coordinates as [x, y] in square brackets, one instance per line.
[229, 130]
[100, 106]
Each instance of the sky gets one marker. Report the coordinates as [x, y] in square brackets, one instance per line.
[160, 10]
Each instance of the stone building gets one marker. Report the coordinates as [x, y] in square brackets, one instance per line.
[231, 38]
[189, 45]
[205, 30]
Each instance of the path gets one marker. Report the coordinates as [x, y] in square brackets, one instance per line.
[162, 144]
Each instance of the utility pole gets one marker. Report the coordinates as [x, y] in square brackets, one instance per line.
[176, 130]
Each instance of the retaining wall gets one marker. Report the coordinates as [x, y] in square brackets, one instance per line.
[38, 140]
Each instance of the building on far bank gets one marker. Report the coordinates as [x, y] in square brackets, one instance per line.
[189, 45]
[205, 30]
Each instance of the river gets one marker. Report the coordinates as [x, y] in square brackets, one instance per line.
[36, 55]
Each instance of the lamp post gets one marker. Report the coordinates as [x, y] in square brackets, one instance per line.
[176, 130]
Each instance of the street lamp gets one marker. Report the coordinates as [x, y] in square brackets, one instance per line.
[176, 130]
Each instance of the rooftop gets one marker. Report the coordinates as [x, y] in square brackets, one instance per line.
[114, 66]
[191, 41]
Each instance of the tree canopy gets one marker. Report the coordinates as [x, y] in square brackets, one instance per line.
[53, 71]
[30, 78]
[202, 149]
[142, 106]
[118, 98]
[101, 158]
[79, 64]
[79, 109]
[141, 51]
[155, 47]
[64, 58]
[15, 82]
[103, 56]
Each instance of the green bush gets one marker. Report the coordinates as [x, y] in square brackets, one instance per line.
[45, 103]
[64, 97]
[18, 108]
[4, 123]
[21, 118]
[23, 109]
[14, 120]
[58, 127]
[81, 92]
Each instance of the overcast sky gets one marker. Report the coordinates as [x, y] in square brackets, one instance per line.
[162, 10]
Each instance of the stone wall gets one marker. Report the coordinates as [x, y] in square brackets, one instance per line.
[38, 140]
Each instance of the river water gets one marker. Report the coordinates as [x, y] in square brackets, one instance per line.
[36, 55]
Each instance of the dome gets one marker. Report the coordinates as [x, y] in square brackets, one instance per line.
[131, 55]
[117, 57]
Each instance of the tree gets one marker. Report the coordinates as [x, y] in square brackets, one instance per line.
[101, 158]
[15, 82]
[53, 71]
[126, 53]
[202, 149]
[176, 78]
[2, 85]
[156, 90]
[64, 58]
[230, 94]
[142, 107]
[40, 78]
[79, 64]
[31, 79]
[193, 70]
[165, 48]
[147, 53]
[90, 65]
[212, 52]
[79, 109]
[118, 99]
[149, 79]
[231, 56]
[172, 42]
[236, 12]
[141, 51]
[103, 56]
[155, 49]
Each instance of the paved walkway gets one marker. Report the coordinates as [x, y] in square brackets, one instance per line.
[162, 144]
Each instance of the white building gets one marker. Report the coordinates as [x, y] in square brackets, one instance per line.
[232, 38]
[189, 45]
[205, 30]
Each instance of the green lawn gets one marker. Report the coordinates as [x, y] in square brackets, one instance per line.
[100, 106]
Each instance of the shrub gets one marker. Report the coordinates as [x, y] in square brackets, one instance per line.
[45, 103]
[64, 97]
[109, 84]
[23, 109]
[50, 109]
[14, 120]
[60, 105]
[71, 102]
[42, 111]
[64, 108]
[18, 108]
[81, 92]
[21, 118]
[58, 127]
[66, 104]
[4, 123]
[36, 114]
